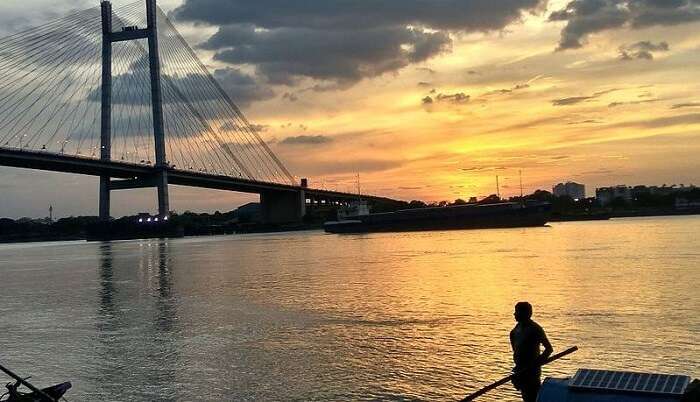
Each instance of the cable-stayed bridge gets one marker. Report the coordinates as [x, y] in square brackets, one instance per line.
[119, 94]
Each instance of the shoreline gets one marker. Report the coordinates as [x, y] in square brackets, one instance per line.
[18, 239]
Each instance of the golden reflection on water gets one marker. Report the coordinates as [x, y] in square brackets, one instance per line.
[310, 316]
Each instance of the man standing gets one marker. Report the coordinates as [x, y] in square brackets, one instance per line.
[526, 338]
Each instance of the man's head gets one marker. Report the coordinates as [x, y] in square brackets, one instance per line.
[523, 311]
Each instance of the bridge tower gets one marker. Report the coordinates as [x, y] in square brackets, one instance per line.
[160, 178]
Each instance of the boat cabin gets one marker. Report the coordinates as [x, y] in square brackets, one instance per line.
[619, 386]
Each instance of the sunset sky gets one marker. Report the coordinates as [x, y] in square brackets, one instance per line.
[429, 99]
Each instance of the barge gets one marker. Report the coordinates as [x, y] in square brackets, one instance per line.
[470, 216]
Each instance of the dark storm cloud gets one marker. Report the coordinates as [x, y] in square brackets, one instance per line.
[307, 140]
[243, 88]
[339, 40]
[469, 15]
[643, 50]
[584, 17]
[283, 54]
[132, 87]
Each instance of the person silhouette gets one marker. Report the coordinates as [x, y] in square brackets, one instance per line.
[525, 339]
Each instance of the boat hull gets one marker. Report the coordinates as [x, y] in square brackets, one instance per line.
[504, 215]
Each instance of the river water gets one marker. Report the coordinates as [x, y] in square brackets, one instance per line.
[310, 316]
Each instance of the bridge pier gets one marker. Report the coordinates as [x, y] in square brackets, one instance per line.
[279, 207]
[106, 107]
[160, 181]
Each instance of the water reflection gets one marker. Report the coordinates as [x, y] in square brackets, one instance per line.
[137, 339]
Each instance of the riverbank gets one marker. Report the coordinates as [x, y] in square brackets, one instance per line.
[215, 230]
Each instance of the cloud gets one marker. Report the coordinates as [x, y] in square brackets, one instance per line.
[338, 40]
[292, 97]
[578, 99]
[21, 15]
[505, 91]
[313, 167]
[258, 127]
[482, 168]
[132, 87]
[242, 87]
[571, 100]
[467, 15]
[307, 140]
[616, 104]
[284, 55]
[456, 98]
[587, 121]
[663, 122]
[585, 17]
[643, 50]
[684, 105]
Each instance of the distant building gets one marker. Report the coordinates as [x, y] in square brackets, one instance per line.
[606, 195]
[574, 190]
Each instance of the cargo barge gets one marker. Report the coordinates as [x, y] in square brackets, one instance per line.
[470, 216]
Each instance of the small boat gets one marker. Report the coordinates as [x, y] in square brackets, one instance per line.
[470, 216]
[49, 394]
[55, 392]
[589, 385]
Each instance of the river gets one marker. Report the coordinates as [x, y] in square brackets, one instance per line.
[315, 317]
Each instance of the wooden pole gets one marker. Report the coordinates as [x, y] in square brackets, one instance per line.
[28, 385]
[504, 380]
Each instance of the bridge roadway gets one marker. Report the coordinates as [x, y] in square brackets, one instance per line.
[273, 195]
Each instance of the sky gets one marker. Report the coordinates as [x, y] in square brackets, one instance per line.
[429, 99]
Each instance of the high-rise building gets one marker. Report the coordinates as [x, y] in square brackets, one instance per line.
[574, 190]
[606, 195]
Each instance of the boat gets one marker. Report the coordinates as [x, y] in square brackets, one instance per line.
[54, 392]
[590, 385]
[49, 394]
[469, 216]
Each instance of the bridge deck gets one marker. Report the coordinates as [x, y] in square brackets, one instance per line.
[124, 170]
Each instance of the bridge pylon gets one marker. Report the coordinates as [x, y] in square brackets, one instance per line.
[160, 178]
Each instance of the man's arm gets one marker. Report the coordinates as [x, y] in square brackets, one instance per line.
[547, 347]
